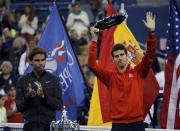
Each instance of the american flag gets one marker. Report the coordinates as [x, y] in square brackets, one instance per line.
[171, 101]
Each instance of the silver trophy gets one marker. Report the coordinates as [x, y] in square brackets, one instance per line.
[64, 124]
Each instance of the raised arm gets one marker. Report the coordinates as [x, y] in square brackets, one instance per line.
[101, 73]
[147, 60]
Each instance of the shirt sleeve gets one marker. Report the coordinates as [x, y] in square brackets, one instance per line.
[101, 73]
[22, 21]
[21, 103]
[70, 21]
[147, 60]
[54, 101]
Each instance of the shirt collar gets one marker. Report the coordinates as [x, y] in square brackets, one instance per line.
[35, 75]
[127, 69]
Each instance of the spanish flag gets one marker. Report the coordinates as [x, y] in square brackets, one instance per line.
[99, 113]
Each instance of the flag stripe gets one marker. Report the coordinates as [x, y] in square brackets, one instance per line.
[170, 109]
[177, 118]
[173, 109]
[167, 89]
[95, 107]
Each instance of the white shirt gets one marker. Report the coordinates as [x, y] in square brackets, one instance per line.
[28, 28]
[3, 116]
[161, 81]
[79, 26]
[23, 64]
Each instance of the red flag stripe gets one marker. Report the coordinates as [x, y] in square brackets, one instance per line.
[167, 89]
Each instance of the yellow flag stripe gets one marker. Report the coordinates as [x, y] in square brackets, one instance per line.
[95, 116]
[123, 35]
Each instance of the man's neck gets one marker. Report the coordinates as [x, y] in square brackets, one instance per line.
[6, 76]
[38, 73]
[12, 97]
[122, 69]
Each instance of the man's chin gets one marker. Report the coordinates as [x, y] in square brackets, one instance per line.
[40, 69]
[121, 65]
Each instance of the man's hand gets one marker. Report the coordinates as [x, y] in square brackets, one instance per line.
[79, 20]
[94, 33]
[31, 93]
[39, 89]
[150, 21]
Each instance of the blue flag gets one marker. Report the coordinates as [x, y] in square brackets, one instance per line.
[61, 61]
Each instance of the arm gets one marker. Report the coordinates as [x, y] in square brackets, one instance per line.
[147, 60]
[22, 21]
[70, 21]
[34, 23]
[101, 73]
[85, 19]
[21, 104]
[55, 100]
[22, 63]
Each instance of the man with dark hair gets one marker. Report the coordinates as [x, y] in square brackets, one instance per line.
[38, 94]
[118, 47]
[126, 84]
[36, 51]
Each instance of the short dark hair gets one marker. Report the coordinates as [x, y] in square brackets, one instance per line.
[36, 51]
[118, 47]
[76, 4]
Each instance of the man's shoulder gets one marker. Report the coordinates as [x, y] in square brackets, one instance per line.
[3, 109]
[23, 77]
[51, 75]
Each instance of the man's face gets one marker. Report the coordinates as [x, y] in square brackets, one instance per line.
[7, 33]
[77, 8]
[120, 58]
[27, 9]
[38, 62]
[104, 4]
[12, 92]
[2, 101]
[6, 69]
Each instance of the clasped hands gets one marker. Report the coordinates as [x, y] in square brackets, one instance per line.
[31, 93]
